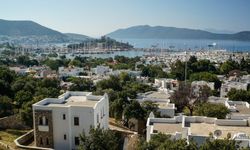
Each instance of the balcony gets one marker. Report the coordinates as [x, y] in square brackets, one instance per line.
[44, 128]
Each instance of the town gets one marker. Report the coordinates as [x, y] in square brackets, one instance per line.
[125, 75]
[49, 101]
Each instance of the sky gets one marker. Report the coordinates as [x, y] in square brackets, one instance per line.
[99, 17]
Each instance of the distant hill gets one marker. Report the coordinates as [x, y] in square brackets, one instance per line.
[160, 32]
[25, 28]
[29, 32]
[77, 37]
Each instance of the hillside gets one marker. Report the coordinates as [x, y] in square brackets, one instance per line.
[77, 37]
[25, 28]
[29, 32]
[160, 32]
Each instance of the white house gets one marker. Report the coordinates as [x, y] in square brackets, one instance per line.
[203, 83]
[58, 122]
[101, 70]
[238, 110]
[161, 99]
[226, 87]
[198, 128]
[170, 84]
[70, 71]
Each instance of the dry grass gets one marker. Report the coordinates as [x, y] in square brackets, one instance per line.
[9, 135]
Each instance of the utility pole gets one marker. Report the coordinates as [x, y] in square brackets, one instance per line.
[185, 64]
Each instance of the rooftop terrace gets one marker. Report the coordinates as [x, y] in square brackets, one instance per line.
[169, 128]
[203, 129]
[67, 99]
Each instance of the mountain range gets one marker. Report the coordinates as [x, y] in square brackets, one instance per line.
[29, 32]
[161, 32]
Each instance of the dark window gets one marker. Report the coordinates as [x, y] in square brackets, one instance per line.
[41, 141]
[76, 121]
[64, 136]
[47, 141]
[46, 121]
[64, 116]
[97, 117]
[40, 121]
[77, 141]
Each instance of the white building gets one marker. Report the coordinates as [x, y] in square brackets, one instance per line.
[238, 110]
[226, 87]
[101, 70]
[170, 84]
[161, 99]
[70, 71]
[58, 122]
[203, 83]
[198, 128]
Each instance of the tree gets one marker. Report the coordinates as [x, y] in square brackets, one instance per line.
[133, 110]
[163, 141]
[239, 95]
[228, 66]
[219, 144]
[206, 76]
[54, 64]
[153, 71]
[81, 84]
[5, 106]
[188, 96]
[100, 139]
[202, 66]
[112, 83]
[178, 70]
[21, 97]
[212, 110]
[148, 107]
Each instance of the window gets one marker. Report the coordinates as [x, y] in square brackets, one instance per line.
[64, 116]
[41, 140]
[97, 117]
[40, 121]
[47, 141]
[76, 121]
[65, 137]
[46, 121]
[77, 141]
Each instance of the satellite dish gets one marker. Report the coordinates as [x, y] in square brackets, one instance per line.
[217, 133]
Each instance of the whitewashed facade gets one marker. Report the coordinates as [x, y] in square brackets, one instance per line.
[58, 122]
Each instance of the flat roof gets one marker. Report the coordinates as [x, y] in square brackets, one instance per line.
[164, 105]
[242, 109]
[204, 129]
[160, 95]
[71, 98]
[170, 128]
[75, 101]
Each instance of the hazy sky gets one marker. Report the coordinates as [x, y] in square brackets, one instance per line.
[98, 17]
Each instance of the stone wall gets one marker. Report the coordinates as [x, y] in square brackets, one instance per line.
[12, 122]
[43, 135]
[24, 139]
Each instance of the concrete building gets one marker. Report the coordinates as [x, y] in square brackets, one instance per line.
[238, 110]
[198, 128]
[165, 108]
[101, 70]
[170, 84]
[58, 122]
[226, 87]
[70, 71]
[203, 83]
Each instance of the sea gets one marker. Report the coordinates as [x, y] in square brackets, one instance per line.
[176, 45]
